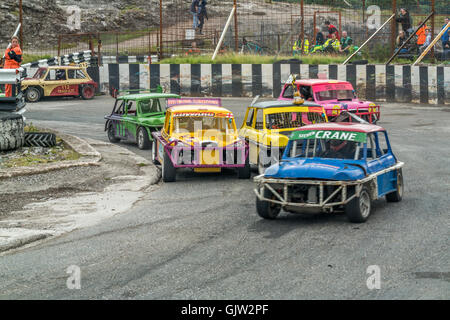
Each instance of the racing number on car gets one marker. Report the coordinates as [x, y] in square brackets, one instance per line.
[336, 110]
[65, 90]
[120, 129]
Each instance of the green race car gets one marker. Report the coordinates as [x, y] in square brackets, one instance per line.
[135, 116]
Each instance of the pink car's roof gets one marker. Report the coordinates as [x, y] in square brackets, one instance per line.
[343, 126]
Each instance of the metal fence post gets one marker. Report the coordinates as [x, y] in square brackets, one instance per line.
[432, 25]
[59, 45]
[303, 22]
[236, 34]
[393, 26]
[117, 47]
[160, 31]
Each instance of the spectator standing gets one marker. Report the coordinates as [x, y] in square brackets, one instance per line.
[194, 11]
[346, 43]
[405, 21]
[202, 14]
[320, 39]
[13, 59]
[421, 35]
[332, 30]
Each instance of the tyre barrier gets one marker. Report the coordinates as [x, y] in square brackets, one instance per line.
[40, 139]
[11, 131]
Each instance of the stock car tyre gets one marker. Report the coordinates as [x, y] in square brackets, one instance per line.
[12, 135]
[169, 172]
[111, 136]
[245, 172]
[266, 209]
[261, 166]
[87, 92]
[154, 152]
[33, 94]
[40, 139]
[358, 209]
[143, 141]
[397, 195]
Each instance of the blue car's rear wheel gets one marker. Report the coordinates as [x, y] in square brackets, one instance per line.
[397, 195]
[266, 209]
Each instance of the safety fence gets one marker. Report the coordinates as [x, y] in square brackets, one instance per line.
[261, 27]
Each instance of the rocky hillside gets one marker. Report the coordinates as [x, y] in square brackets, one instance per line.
[45, 19]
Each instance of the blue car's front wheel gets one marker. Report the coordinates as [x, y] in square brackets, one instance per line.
[266, 209]
[358, 209]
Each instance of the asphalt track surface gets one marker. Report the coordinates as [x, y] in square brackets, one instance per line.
[200, 238]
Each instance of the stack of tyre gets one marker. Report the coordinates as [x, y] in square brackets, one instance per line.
[12, 134]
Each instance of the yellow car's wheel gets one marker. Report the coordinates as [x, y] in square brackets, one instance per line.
[87, 92]
[33, 94]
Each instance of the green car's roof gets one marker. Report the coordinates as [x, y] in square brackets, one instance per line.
[146, 96]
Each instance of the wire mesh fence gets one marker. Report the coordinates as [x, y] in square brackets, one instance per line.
[265, 27]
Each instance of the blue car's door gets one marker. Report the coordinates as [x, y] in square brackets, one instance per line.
[380, 158]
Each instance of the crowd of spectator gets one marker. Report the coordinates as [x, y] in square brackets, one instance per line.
[332, 43]
[421, 40]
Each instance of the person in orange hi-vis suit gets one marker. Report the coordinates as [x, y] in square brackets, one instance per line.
[13, 59]
[421, 35]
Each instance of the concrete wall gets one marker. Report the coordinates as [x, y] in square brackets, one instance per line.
[424, 84]
[427, 85]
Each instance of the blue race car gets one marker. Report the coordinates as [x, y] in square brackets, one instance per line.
[331, 166]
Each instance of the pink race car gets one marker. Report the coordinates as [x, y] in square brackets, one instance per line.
[334, 95]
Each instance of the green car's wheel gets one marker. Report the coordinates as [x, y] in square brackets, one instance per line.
[143, 141]
[169, 172]
[358, 209]
[397, 195]
[111, 136]
[266, 209]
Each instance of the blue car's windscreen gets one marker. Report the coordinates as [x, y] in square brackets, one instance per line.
[327, 148]
[326, 144]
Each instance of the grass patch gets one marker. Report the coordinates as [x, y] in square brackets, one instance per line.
[27, 157]
[226, 58]
[315, 59]
[142, 165]
[31, 128]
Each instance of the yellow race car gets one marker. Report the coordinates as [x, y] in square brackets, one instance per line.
[59, 81]
[199, 134]
[268, 125]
